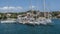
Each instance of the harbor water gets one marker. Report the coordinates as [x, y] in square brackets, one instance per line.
[30, 29]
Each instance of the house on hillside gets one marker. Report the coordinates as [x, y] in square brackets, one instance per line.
[58, 15]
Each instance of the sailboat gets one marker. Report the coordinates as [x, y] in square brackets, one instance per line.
[48, 20]
[30, 20]
[45, 20]
[8, 20]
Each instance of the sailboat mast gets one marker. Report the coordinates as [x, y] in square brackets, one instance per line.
[37, 5]
[7, 7]
[37, 8]
[31, 7]
[44, 8]
[31, 4]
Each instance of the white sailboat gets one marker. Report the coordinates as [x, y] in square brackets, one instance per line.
[38, 21]
[8, 20]
[48, 20]
[45, 20]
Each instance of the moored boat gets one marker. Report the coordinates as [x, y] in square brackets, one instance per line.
[8, 21]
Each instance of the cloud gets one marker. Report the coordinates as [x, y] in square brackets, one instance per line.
[3, 8]
[19, 7]
[11, 9]
[32, 7]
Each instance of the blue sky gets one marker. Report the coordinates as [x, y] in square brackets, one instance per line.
[24, 5]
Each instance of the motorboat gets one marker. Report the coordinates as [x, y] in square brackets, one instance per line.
[8, 21]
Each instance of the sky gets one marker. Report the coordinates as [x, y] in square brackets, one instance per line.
[25, 5]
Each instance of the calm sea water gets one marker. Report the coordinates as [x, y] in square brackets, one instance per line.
[27, 29]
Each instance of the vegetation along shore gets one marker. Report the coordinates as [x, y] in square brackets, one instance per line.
[53, 14]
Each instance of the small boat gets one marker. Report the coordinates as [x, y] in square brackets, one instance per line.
[8, 21]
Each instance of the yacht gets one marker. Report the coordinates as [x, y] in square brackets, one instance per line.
[38, 21]
[25, 20]
[29, 19]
